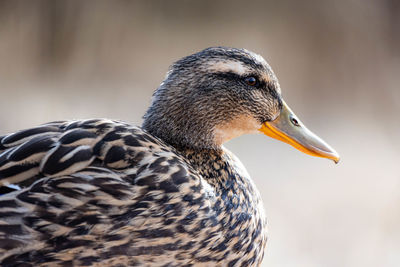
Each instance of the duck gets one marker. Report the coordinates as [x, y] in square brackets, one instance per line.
[100, 192]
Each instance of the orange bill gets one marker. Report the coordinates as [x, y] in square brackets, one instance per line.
[289, 129]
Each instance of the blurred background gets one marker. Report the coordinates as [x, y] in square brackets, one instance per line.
[339, 67]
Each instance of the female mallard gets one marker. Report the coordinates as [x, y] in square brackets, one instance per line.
[105, 193]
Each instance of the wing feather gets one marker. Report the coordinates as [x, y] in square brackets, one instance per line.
[63, 148]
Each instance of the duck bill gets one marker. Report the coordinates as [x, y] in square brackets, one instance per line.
[289, 129]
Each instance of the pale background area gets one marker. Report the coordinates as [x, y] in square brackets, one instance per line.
[339, 67]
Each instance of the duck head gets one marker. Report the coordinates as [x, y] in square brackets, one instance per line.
[220, 93]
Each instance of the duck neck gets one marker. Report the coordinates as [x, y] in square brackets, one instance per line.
[216, 166]
[182, 130]
[206, 161]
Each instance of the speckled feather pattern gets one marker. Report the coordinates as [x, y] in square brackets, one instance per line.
[104, 193]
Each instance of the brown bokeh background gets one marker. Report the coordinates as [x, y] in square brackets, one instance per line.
[339, 67]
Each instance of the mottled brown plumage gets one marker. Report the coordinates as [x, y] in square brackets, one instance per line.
[105, 193]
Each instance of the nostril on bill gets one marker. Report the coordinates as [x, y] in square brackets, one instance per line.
[294, 121]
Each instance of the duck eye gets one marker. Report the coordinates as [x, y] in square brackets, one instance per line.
[252, 81]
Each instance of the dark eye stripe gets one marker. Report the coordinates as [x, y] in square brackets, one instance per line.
[271, 87]
[228, 75]
[236, 77]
